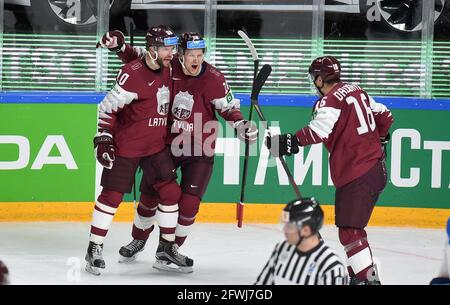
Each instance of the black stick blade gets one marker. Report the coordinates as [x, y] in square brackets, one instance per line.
[260, 79]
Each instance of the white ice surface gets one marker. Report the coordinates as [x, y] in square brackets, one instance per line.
[53, 253]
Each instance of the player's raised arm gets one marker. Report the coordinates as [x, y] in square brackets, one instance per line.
[115, 42]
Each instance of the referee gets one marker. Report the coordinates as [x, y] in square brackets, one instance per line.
[303, 258]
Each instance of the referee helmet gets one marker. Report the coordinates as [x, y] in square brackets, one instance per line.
[304, 212]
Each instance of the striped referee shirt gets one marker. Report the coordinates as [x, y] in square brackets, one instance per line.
[288, 266]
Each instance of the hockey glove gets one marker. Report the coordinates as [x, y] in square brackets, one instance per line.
[113, 41]
[104, 149]
[283, 145]
[246, 131]
[384, 141]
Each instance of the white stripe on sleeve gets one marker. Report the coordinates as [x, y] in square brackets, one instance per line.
[324, 121]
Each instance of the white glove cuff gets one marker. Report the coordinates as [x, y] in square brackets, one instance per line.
[104, 133]
[237, 123]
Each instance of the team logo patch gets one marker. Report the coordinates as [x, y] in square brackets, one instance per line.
[311, 268]
[170, 41]
[182, 105]
[284, 257]
[196, 44]
[163, 100]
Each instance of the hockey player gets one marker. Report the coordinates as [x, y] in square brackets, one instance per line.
[4, 274]
[303, 258]
[200, 92]
[443, 277]
[354, 129]
[132, 129]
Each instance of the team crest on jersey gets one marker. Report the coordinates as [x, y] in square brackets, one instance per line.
[182, 105]
[163, 100]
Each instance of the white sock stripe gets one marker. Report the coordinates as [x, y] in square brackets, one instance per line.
[101, 220]
[105, 208]
[360, 260]
[182, 230]
[168, 237]
[168, 208]
[96, 239]
[142, 222]
[167, 220]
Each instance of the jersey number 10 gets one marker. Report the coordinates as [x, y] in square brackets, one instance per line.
[364, 121]
[122, 77]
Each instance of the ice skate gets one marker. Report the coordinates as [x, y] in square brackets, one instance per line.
[354, 281]
[130, 252]
[373, 278]
[94, 258]
[169, 259]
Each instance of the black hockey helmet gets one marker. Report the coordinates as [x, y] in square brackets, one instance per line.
[304, 212]
[327, 67]
[191, 40]
[160, 36]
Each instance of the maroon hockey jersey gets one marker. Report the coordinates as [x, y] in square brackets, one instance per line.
[135, 110]
[194, 103]
[350, 123]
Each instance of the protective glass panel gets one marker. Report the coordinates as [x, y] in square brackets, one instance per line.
[49, 44]
[441, 50]
[281, 32]
[378, 43]
[135, 17]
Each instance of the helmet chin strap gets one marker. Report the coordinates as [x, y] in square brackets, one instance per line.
[313, 78]
[301, 238]
[155, 64]
[185, 70]
[299, 241]
[319, 90]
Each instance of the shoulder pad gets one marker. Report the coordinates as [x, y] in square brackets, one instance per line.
[214, 71]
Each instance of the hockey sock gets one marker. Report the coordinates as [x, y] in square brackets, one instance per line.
[104, 211]
[167, 213]
[188, 205]
[358, 252]
[144, 217]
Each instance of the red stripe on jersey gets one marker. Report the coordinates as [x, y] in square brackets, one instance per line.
[306, 136]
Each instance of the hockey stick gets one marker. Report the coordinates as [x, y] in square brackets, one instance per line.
[252, 49]
[240, 204]
[256, 89]
[131, 34]
[258, 83]
[263, 74]
[139, 169]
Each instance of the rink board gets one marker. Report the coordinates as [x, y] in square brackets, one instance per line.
[217, 212]
[46, 156]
